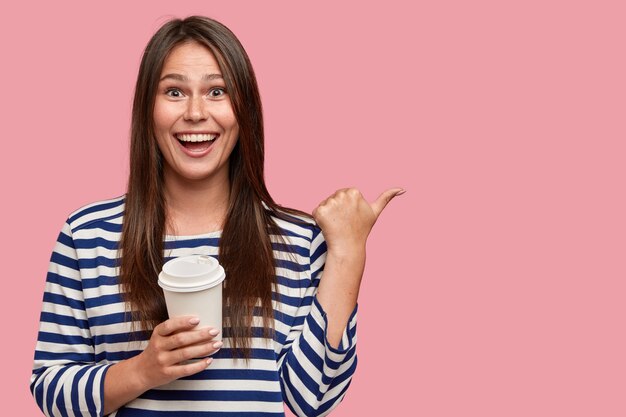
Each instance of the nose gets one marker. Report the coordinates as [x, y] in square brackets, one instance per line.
[196, 110]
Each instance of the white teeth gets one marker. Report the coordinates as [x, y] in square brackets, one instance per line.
[196, 137]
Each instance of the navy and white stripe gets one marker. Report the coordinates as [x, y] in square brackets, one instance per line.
[84, 330]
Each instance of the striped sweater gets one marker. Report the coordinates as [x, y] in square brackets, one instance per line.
[84, 330]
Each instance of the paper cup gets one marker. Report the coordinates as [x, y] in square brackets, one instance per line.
[192, 286]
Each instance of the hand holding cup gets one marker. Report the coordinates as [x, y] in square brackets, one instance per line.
[172, 344]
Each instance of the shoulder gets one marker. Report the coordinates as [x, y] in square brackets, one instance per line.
[302, 235]
[299, 232]
[97, 213]
[293, 223]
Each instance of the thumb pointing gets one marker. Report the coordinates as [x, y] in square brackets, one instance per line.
[384, 198]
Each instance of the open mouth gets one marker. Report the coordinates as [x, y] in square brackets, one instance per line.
[196, 142]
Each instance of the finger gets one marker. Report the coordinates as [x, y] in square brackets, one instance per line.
[176, 324]
[316, 209]
[320, 207]
[189, 337]
[195, 367]
[384, 199]
[191, 368]
[335, 195]
[192, 352]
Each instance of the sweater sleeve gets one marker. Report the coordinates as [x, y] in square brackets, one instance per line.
[66, 379]
[314, 375]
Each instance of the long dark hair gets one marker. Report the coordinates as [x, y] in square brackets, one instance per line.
[248, 224]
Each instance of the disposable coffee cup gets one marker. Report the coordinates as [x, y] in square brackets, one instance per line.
[192, 286]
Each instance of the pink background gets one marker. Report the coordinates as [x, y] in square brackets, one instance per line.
[494, 287]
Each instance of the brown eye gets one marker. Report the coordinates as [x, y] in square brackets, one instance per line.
[173, 92]
[217, 92]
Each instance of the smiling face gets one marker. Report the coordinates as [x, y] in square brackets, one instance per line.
[194, 123]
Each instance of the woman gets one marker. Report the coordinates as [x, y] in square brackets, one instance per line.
[196, 185]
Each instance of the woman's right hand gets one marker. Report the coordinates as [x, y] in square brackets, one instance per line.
[172, 343]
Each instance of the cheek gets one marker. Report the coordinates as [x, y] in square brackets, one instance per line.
[233, 138]
[225, 117]
[162, 126]
[163, 116]
[235, 130]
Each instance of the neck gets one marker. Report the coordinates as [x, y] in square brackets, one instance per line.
[196, 207]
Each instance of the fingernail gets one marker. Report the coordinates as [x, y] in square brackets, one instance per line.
[217, 345]
[194, 320]
[401, 192]
[208, 361]
[214, 332]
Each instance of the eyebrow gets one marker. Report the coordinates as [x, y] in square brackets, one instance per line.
[180, 77]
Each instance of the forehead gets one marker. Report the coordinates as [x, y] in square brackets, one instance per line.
[190, 57]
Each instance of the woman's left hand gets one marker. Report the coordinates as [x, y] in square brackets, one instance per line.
[346, 218]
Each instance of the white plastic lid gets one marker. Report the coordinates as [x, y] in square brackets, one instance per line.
[191, 273]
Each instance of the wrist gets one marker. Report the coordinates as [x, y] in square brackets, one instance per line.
[137, 380]
[346, 250]
[122, 383]
[343, 269]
